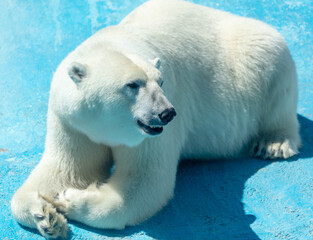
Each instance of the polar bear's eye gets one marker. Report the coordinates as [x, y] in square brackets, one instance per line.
[133, 85]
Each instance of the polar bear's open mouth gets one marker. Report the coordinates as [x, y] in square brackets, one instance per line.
[151, 130]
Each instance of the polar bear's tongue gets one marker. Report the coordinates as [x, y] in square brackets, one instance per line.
[151, 130]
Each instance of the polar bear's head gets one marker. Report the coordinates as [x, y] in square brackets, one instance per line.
[113, 98]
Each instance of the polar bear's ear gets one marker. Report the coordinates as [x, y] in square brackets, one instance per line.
[156, 62]
[77, 71]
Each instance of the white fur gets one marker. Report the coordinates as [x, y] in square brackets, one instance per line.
[231, 80]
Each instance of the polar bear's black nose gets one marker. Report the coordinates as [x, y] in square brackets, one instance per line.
[167, 115]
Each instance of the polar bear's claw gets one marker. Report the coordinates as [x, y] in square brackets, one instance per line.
[50, 223]
[274, 149]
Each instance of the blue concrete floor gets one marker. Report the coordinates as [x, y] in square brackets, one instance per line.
[241, 199]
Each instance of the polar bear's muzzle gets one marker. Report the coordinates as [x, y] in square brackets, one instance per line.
[164, 118]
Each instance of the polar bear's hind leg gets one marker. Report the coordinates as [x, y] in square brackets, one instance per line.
[279, 128]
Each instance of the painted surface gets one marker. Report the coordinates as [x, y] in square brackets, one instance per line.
[239, 199]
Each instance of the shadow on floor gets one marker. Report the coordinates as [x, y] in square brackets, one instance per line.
[306, 132]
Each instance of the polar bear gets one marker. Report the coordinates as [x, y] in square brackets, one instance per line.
[113, 138]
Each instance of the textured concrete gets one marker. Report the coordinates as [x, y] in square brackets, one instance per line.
[240, 199]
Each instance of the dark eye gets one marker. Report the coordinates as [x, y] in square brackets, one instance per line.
[133, 85]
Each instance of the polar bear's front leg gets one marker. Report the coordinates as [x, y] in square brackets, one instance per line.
[99, 207]
[68, 160]
[141, 184]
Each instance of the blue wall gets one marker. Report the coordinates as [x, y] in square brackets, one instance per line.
[239, 199]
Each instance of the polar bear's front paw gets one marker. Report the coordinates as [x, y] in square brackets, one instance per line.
[274, 149]
[50, 223]
[69, 201]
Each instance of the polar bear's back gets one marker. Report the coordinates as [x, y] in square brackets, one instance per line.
[170, 14]
[176, 18]
[193, 35]
[175, 22]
